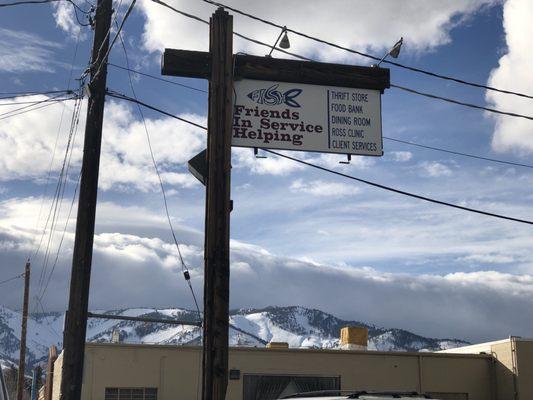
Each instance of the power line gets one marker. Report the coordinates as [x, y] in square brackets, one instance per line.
[461, 103]
[184, 268]
[156, 77]
[57, 200]
[124, 97]
[47, 100]
[20, 102]
[12, 279]
[396, 64]
[12, 95]
[195, 17]
[402, 192]
[428, 199]
[110, 47]
[458, 153]
[26, 2]
[56, 141]
[413, 91]
[51, 103]
[127, 98]
[180, 12]
[19, 3]
[60, 192]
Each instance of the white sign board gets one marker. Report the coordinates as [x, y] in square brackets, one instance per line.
[292, 116]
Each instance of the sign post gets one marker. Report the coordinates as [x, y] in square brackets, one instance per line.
[277, 104]
[217, 210]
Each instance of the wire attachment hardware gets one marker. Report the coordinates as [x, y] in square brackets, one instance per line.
[349, 157]
[256, 153]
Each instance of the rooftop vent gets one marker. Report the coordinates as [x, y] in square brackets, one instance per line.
[354, 338]
[277, 345]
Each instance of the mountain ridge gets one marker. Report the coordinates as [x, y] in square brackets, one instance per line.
[299, 326]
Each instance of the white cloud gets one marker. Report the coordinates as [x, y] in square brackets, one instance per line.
[66, 19]
[271, 165]
[423, 24]
[401, 156]
[485, 304]
[490, 258]
[21, 51]
[333, 160]
[125, 161]
[436, 169]
[323, 188]
[514, 73]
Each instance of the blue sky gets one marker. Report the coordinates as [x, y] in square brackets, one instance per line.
[300, 236]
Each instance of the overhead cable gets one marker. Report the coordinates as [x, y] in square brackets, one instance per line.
[103, 60]
[462, 103]
[48, 104]
[26, 2]
[127, 98]
[11, 279]
[184, 267]
[402, 192]
[360, 53]
[156, 77]
[516, 164]
[409, 90]
[13, 95]
[380, 186]
[458, 153]
[47, 100]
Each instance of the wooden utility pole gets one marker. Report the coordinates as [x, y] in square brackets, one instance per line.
[49, 378]
[22, 356]
[76, 317]
[218, 207]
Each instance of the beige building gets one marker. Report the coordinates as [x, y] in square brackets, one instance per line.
[493, 371]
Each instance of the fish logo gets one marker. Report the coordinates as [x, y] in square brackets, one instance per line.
[273, 97]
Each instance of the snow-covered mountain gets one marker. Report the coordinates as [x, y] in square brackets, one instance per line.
[299, 326]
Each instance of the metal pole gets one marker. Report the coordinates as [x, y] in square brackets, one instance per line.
[22, 355]
[218, 207]
[34, 384]
[76, 320]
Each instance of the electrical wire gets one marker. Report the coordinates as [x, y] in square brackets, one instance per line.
[19, 3]
[38, 108]
[45, 191]
[104, 59]
[458, 153]
[12, 279]
[60, 191]
[162, 3]
[406, 89]
[184, 268]
[45, 287]
[396, 64]
[156, 77]
[35, 102]
[121, 96]
[49, 99]
[461, 103]
[26, 2]
[59, 201]
[13, 95]
[380, 186]
[402, 192]
[48, 324]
